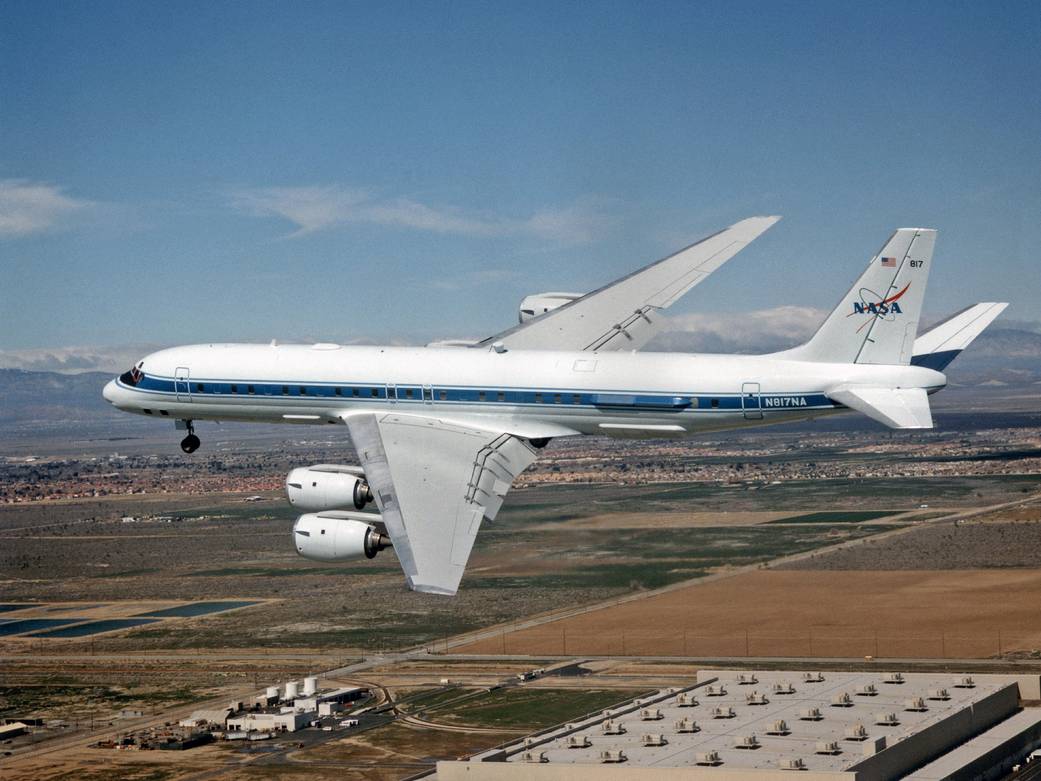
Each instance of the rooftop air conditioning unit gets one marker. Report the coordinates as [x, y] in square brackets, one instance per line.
[893, 678]
[867, 690]
[707, 758]
[747, 742]
[686, 725]
[856, 732]
[779, 727]
[574, 741]
[745, 679]
[827, 747]
[792, 763]
[725, 712]
[653, 739]
[810, 714]
[611, 727]
[612, 755]
[784, 687]
[712, 690]
[939, 694]
[651, 714]
[965, 682]
[916, 704]
[815, 677]
[842, 700]
[755, 698]
[535, 757]
[886, 719]
[686, 700]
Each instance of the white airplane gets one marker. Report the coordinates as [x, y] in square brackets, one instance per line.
[442, 431]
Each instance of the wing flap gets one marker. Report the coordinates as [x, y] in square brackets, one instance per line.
[434, 481]
[893, 407]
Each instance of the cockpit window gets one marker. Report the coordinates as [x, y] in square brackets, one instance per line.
[134, 376]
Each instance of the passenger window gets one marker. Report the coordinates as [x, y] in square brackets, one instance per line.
[715, 403]
[576, 398]
[443, 395]
[200, 388]
[354, 391]
[538, 398]
[234, 388]
[556, 398]
[374, 392]
[250, 390]
[502, 396]
[482, 396]
[303, 391]
[408, 393]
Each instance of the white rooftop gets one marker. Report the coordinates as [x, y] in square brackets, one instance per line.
[834, 722]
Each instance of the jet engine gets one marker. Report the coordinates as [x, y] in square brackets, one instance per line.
[338, 536]
[327, 487]
[540, 303]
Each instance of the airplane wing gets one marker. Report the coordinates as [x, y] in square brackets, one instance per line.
[625, 314]
[434, 481]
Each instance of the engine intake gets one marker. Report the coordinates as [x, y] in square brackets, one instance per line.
[327, 487]
[338, 536]
[540, 303]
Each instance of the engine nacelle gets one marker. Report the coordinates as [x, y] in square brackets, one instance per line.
[322, 537]
[327, 487]
[540, 303]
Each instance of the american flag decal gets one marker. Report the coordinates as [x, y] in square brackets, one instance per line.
[889, 262]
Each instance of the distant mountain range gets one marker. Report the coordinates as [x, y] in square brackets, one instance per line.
[46, 402]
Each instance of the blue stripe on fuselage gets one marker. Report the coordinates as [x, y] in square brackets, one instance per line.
[705, 402]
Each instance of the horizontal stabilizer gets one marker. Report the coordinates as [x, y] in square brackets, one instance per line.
[893, 407]
[940, 345]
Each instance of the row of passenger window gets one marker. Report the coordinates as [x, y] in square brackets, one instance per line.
[416, 393]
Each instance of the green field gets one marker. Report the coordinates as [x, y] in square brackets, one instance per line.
[529, 709]
[839, 516]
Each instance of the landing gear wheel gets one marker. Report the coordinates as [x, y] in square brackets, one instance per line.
[190, 443]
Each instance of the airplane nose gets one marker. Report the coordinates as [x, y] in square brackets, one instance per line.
[110, 392]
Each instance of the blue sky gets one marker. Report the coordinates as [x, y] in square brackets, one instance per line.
[181, 172]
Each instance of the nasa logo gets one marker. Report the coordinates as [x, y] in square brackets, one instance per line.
[877, 309]
[880, 307]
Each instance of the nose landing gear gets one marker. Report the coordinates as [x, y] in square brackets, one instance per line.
[191, 442]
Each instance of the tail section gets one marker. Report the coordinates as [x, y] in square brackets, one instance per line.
[936, 348]
[877, 320]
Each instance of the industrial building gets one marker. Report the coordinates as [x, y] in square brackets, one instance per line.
[863, 726]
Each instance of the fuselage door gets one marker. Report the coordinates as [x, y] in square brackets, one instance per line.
[751, 402]
[428, 394]
[181, 385]
[392, 393]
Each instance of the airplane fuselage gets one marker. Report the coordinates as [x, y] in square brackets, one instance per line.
[542, 393]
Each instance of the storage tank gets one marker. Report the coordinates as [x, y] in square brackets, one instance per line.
[272, 692]
[292, 690]
[310, 685]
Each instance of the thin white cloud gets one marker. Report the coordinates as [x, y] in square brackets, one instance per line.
[759, 331]
[72, 360]
[476, 278]
[314, 208]
[34, 207]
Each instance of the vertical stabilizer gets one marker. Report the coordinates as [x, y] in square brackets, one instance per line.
[877, 320]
